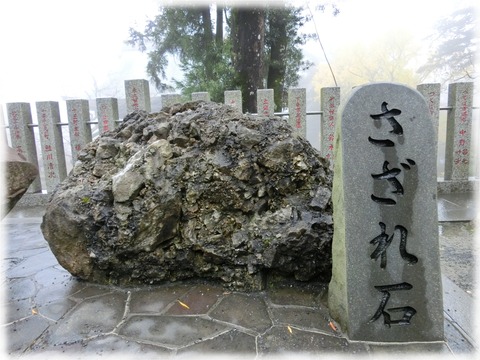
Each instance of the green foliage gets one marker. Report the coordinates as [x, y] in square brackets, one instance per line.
[182, 32]
[196, 77]
[284, 57]
[206, 53]
[455, 45]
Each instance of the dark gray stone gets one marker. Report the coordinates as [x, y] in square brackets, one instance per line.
[360, 279]
[90, 318]
[298, 343]
[195, 191]
[19, 175]
[232, 342]
[171, 331]
[247, 311]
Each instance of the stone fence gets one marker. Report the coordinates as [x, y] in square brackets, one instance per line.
[53, 161]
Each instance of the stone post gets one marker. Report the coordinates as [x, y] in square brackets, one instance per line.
[53, 154]
[3, 134]
[329, 104]
[265, 103]
[459, 127]
[137, 94]
[22, 136]
[431, 93]
[297, 110]
[107, 114]
[234, 98]
[205, 96]
[386, 282]
[80, 132]
[170, 99]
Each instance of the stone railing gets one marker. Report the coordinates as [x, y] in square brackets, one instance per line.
[47, 134]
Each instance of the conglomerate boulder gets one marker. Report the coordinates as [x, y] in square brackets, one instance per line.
[195, 191]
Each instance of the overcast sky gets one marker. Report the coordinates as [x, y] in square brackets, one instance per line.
[57, 49]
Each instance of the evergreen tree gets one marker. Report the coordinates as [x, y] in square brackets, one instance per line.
[246, 49]
[455, 45]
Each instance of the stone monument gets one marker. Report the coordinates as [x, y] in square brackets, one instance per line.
[297, 109]
[137, 93]
[386, 281]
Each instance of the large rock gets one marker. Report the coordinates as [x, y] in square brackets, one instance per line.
[195, 191]
[19, 175]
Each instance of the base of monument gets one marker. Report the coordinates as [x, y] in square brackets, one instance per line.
[458, 186]
[34, 199]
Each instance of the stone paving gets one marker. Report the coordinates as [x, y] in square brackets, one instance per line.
[47, 312]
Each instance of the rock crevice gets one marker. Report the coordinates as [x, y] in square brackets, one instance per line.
[195, 191]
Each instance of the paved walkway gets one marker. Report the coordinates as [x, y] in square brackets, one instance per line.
[48, 313]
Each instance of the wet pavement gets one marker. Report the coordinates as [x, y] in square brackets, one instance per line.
[47, 312]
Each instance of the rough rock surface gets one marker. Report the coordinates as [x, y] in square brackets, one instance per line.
[195, 191]
[19, 175]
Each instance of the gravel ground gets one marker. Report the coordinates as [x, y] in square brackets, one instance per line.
[457, 254]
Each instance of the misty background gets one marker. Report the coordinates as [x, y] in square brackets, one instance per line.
[56, 50]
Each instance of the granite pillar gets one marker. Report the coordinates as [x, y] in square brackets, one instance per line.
[22, 137]
[78, 113]
[297, 110]
[386, 281]
[51, 141]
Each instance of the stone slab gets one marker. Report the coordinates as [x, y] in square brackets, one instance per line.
[265, 102]
[386, 269]
[202, 95]
[107, 114]
[53, 153]
[279, 343]
[22, 137]
[459, 129]
[431, 93]
[246, 311]
[329, 105]
[170, 99]
[297, 109]
[227, 344]
[137, 94]
[171, 331]
[78, 112]
[234, 98]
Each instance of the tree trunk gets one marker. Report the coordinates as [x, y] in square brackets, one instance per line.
[219, 27]
[248, 37]
[278, 47]
[208, 42]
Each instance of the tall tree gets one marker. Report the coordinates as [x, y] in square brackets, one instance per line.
[251, 48]
[248, 38]
[455, 45]
[284, 58]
